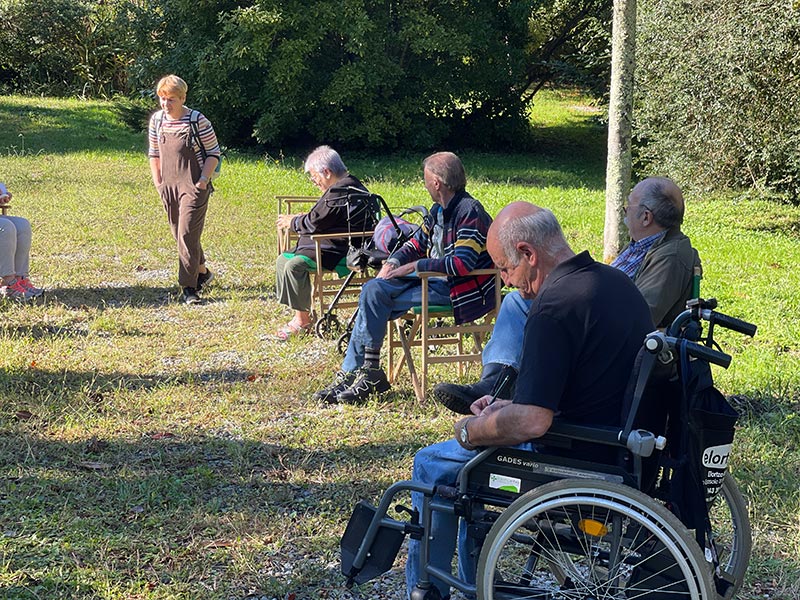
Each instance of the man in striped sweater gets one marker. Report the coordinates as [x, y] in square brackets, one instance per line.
[452, 240]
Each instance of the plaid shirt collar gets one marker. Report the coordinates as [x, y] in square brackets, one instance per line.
[631, 258]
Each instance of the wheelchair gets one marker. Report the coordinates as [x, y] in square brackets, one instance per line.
[663, 520]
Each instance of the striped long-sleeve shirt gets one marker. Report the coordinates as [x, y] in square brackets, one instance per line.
[465, 224]
[161, 120]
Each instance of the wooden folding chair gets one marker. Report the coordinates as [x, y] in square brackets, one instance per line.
[414, 330]
[289, 205]
[326, 284]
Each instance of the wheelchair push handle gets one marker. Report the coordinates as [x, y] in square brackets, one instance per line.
[732, 323]
[659, 343]
[698, 309]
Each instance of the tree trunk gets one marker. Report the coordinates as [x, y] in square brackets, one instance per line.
[620, 109]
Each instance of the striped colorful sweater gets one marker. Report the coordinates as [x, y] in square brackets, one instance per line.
[466, 224]
[204, 128]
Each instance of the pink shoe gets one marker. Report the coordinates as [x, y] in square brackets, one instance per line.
[16, 291]
[26, 283]
[291, 329]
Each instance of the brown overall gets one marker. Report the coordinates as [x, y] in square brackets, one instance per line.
[185, 204]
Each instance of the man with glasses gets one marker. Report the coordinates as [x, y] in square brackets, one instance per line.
[660, 260]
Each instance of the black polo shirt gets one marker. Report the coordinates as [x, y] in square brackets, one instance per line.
[583, 331]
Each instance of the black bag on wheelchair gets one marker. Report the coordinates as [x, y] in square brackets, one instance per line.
[700, 437]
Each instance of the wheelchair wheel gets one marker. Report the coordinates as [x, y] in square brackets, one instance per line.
[730, 523]
[326, 325]
[573, 539]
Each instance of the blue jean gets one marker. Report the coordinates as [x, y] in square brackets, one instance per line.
[505, 345]
[440, 464]
[382, 300]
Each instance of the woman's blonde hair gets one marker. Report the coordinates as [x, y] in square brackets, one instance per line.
[172, 85]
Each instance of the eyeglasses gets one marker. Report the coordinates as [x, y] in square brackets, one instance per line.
[627, 207]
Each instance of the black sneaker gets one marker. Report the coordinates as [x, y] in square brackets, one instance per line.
[190, 296]
[341, 382]
[367, 382]
[457, 398]
[204, 279]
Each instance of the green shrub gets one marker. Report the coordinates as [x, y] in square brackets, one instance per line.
[74, 47]
[717, 90]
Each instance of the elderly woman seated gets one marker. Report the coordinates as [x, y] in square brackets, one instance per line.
[341, 209]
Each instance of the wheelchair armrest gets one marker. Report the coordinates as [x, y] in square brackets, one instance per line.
[639, 441]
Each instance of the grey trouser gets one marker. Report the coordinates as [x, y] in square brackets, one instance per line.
[15, 246]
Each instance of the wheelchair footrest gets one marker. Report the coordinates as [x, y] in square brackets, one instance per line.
[382, 552]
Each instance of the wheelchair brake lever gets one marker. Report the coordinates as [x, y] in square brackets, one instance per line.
[412, 527]
[413, 513]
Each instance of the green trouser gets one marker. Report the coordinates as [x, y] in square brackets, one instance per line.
[293, 280]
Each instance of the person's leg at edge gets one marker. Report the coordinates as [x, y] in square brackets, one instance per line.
[22, 256]
[440, 464]
[8, 249]
[505, 345]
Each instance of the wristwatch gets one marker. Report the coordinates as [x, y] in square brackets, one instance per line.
[203, 178]
[464, 434]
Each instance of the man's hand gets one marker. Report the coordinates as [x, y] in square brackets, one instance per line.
[390, 270]
[482, 407]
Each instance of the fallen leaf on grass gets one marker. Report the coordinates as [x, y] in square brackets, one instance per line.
[24, 415]
[94, 465]
[162, 435]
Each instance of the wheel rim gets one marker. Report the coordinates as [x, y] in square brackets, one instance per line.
[591, 544]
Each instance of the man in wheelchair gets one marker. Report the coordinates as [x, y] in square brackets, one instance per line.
[594, 512]
[583, 332]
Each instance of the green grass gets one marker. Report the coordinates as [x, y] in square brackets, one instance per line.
[150, 450]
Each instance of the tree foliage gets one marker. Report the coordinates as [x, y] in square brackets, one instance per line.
[718, 86]
[65, 47]
[388, 73]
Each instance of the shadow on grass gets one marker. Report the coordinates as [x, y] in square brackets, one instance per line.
[152, 511]
[553, 156]
[93, 384]
[146, 296]
[112, 296]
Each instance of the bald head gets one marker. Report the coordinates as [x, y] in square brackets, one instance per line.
[523, 222]
[663, 198]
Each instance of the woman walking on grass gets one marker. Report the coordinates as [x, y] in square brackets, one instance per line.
[183, 155]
